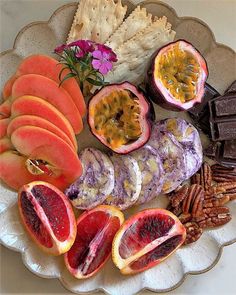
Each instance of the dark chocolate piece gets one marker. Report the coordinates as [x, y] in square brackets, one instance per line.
[229, 151]
[199, 108]
[200, 112]
[224, 152]
[231, 88]
[211, 150]
[223, 117]
[223, 106]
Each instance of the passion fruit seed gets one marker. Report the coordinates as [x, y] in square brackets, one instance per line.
[116, 117]
[179, 71]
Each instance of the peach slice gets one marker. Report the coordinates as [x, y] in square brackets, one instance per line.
[28, 120]
[32, 105]
[49, 90]
[5, 144]
[3, 126]
[49, 67]
[5, 108]
[41, 156]
[8, 86]
[13, 170]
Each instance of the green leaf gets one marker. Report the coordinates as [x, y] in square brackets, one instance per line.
[68, 76]
[94, 82]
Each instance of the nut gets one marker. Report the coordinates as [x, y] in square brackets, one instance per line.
[193, 203]
[214, 217]
[216, 201]
[185, 217]
[193, 232]
[223, 174]
[179, 196]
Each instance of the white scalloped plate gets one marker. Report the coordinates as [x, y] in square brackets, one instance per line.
[43, 37]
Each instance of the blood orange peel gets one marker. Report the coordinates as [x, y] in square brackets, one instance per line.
[92, 247]
[47, 216]
[146, 239]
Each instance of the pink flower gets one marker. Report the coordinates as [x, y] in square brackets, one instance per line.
[61, 48]
[108, 50]
[101, 61]
[85, 46]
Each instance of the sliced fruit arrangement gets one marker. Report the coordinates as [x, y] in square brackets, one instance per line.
[93, 244]
[49, 67]
[146, 239]
[118, 115]
[177, 76]
[32, 105]
[38, 131]
[48, 90]
[47, 216]
[31, 120]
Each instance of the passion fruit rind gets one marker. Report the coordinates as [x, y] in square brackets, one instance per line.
[185, 82]
[119, 117]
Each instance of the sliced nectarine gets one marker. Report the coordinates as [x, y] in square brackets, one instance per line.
[49, 67]
[13, 170]
[5, 108]
[3, 126]
[8, 86]
[5, 144]
[29, 120]
[49, 90]
[45, 156]
[32, 105]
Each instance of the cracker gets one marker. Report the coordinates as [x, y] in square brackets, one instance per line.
[138, 20]
[134, 55]
[96, 20]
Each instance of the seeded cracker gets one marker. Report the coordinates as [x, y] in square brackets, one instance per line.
[138, 20]
[134, 55]
[96, 20]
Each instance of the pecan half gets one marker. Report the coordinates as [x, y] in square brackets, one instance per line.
[223, 174]
[179, 196]
[214, 217]
[193, 203]
[193, 232]
[185, 217]
[203, 177]
[216, 201]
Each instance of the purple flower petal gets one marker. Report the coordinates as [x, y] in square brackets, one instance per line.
[103, 69]
[96, 64]
[108, 65]
[97, 54]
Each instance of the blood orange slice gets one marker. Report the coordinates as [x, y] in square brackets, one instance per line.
[146, 239]
[47, 216]
[92, 248]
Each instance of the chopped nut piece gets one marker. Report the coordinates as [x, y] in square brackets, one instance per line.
[193, 232]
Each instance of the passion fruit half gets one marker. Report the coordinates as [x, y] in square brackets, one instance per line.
[118, 115]
[177, 75]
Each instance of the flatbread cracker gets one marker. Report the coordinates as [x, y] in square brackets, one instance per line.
[138, 20]
[96, 20]
[134, 55]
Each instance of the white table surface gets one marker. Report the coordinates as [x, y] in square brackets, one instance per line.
[220, 15]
